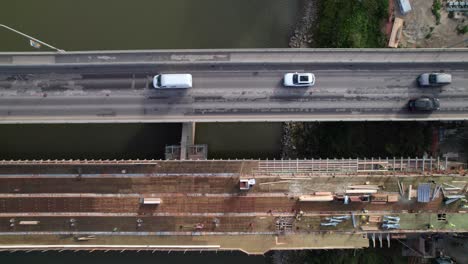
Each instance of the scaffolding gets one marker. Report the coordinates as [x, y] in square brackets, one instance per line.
[352, 166]
[194, 152]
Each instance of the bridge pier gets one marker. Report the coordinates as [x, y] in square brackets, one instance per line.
[187, 138]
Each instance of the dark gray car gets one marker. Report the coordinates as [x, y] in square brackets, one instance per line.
[424, 104]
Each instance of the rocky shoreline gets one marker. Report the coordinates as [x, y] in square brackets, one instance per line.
[288, 140]
[303, 33]
[301, 38]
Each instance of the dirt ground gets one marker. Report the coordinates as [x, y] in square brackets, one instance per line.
[419, 22]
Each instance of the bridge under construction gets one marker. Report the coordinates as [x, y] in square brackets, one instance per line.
[248, 205]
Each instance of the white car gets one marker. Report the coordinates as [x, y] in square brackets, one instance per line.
[299, 79]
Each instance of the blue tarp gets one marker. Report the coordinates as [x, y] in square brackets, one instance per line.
[424, 192]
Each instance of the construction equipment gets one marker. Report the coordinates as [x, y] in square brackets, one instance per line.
[246, 184]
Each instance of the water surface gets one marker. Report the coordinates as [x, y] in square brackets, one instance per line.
[148, 24]
[240, 140]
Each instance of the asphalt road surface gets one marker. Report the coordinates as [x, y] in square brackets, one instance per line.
[124, 93]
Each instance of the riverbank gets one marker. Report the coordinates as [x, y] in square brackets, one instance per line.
[341, 24]
[351, 24]
[303, 36]
[356, 139]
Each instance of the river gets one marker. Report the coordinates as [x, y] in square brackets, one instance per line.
[149, 24]
[136, 141]
[130, 257]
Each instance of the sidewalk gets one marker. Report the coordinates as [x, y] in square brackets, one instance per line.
[245, 56]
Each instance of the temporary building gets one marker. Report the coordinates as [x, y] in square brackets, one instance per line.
[405, 6]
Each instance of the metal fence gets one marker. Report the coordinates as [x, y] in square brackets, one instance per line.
[352, 165]
[305, 166]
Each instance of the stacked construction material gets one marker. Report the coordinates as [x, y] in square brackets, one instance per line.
[317, 197]
[379, 198]
[391, 222]
[436, 192]
[452, 193]
[362, 189]
[401, 188]
[335, 220]
[383, 198]
[360, 193]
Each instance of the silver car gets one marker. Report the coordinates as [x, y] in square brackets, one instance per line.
[434, 79]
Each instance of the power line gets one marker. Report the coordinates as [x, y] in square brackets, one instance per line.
[32, 39]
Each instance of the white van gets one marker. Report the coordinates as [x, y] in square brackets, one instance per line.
[172, 81]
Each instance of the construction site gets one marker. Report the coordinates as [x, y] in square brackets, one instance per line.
[252, 206]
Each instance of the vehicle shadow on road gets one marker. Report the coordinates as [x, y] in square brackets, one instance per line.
[286, 94]
[405, 113]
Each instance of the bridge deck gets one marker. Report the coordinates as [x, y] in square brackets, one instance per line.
[228, 86]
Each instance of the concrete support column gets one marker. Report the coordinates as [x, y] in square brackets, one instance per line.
[187, 138]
